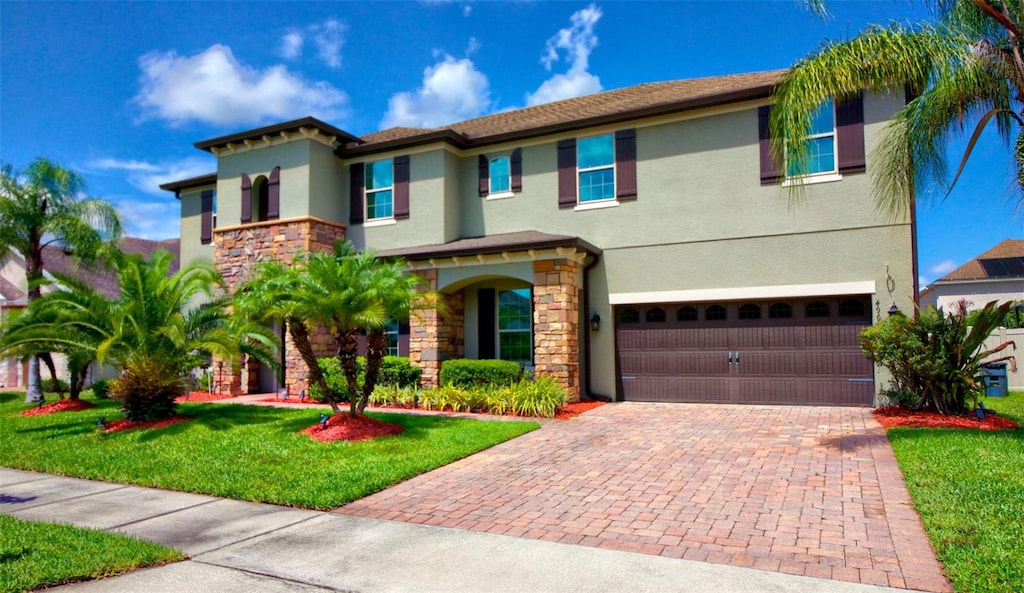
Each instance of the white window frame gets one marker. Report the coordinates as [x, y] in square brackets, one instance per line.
[499, 332]
[391, 330]
[579, 170]
[505, 193]
[820, 176]
[367, 178]
[213, 221]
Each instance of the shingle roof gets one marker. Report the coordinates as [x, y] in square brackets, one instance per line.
[11, 294]
[491, 244]
[982, 268]
[55, 260]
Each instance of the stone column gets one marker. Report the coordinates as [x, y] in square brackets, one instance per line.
[437, 335]
[556, 314]
[236, 250]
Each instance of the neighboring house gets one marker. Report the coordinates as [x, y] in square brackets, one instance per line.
[13, 290]
[996, 275]
[633, 244]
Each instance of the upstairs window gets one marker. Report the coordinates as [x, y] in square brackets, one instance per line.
[213, 218]
[821, 144]
[500, 175]
[596, 168]
[380, 190]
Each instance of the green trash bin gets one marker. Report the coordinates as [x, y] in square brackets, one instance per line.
[994, 376]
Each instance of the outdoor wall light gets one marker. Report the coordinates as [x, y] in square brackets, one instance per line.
[595, 322]
[894, 310]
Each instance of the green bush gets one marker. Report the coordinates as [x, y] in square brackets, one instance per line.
[60, 385]
[147, 390]
[541, 397]
[935, 360]
[101, 388]
[394, 370]
[467, 373]
[393, 395]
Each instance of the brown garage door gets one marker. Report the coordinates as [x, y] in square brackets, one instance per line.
[778, 352]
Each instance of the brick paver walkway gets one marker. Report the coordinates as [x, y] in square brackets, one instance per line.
[800, 490]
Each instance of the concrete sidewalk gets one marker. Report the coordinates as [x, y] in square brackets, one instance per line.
[243, 547]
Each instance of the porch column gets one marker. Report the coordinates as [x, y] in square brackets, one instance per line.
[556, 314]
[227, 377]
[436, 336]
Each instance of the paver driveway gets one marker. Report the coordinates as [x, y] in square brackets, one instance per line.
[801, 490]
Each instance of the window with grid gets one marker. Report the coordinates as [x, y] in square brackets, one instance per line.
[391, 335]
[500, 175]
[821, 144]
[595, 158]
[515, 321]
[380, 184]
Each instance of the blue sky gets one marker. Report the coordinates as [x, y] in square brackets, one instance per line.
[120, 91]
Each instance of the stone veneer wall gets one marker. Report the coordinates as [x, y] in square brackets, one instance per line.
[237, 249]
[556, 315]
[437, 335]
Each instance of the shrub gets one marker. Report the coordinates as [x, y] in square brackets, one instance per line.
[394, 370]
[101, 388]
[540, 397]
[937, 357]
[393, 395]
[147, 389]
[468, 373]
[60, 385]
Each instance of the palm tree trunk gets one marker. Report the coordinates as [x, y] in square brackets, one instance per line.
[348, 343]
[300, 338]
[34, 388]
[376, 347]
[47, 359]
[33, 273]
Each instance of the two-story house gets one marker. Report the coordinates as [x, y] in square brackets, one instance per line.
[634, 244]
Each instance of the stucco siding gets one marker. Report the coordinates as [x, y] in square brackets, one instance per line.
[328, 196]
[293, 157]
[192, 248]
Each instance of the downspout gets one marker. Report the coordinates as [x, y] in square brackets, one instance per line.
[587, 331]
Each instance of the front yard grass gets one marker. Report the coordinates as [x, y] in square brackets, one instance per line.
[968, 486]
[243, 452]
[35, 555]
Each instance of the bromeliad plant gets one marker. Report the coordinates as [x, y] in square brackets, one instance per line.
[936, 360]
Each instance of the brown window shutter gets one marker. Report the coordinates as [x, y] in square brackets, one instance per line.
[484, 169]
[274, 194]
[771, 173]
[206, 218]
[517, 170]
[355, 196]
[625, 165]
[850, 135]
[401, 192]
[567, 173]
[246, 199]
[403, 339]
[487, 322]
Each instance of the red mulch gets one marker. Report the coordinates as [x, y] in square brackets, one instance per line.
[118, 425]
[575, 409]
[343, 427]
[203, 396]
[292, 400]
[893, 416]
[64, 405]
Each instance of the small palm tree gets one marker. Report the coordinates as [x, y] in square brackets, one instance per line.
[153, 332]
[46, 205]
[965, 68]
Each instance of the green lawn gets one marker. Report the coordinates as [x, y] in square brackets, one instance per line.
[968, 486]
[244, 452]
[34, 555]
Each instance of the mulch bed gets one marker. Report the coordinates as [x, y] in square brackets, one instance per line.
[569, 411]
[64, 405]
[893, 416]
[119, 425]
[344, 427]
[291, 400]
[202, 396]
[575, 409]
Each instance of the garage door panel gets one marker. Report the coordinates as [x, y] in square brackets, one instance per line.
[854, 364]
[714, 337]
[659, 363]
[782, 337]
[750, 337]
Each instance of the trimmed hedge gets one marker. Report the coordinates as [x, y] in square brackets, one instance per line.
[466, 373]
[397, 371]
[539, 397]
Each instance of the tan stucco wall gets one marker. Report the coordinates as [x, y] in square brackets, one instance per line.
[328, 185]
[293, 157]
[192, 248]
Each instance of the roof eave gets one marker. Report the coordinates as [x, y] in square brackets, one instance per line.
[449, 136]
[198, 181]
[288, 126]
[491, 250]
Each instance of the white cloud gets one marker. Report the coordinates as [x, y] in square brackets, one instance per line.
[942, 268]
[150, 219]
[467, 9]
[329, 38]
[148, 177]
[213, 87]
[577, 42]
[291, 44]
[452, 90]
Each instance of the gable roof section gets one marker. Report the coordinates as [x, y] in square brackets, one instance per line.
[1005, 260]
[284, 127]
[198, 181]
[644, 100]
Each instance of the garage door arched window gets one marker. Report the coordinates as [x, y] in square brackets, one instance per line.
[852, 308]
[655, 315]
[817, 309]
[750, 311]
[686, 314]
[629, 315]
[715, 313]
[780, 311]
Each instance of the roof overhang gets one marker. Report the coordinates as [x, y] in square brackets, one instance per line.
[493, 244]
[306, 127]
[183, 184]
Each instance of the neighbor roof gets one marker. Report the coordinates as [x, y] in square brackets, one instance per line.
[55, 260]
[1005, 260]
[491, 244]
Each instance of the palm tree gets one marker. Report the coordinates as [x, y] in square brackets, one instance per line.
[154, 332]
[966, 67]
[47, 205]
